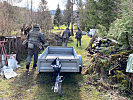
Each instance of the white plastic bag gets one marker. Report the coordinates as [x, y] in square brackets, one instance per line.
[13, 63]
[8, 72]
[2, 69]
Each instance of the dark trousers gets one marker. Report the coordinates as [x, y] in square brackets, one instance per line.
[65, 41]
[79, 42]
[32, 52]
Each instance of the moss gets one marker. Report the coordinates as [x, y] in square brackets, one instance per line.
[95, 77]
[106, 50]
[119, 77]
[130, 51]
[114, 57]
[91, 68]
[124, 53]
[92, 59]
[103, 61]
[101, 65]
[125, 83]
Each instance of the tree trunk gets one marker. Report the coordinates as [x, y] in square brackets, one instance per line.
[72, 19]
[91, 42]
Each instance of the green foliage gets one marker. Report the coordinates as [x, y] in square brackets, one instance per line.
[83, 19]
[102, 31]
[58, 17]
[92, 14]
[108, 11]
[103, 12]
[122, 29]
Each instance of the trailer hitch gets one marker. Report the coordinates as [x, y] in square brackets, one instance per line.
[57, 87]
[56, 64]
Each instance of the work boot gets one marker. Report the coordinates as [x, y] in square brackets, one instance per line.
[27, 67]
[34, 66]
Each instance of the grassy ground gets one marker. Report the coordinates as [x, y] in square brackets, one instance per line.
[64, 27]
[81, 50]
[38, 86]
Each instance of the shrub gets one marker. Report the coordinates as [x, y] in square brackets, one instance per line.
[122, 30]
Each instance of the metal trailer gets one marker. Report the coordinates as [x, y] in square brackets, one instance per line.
[59, 59]
[71, 62]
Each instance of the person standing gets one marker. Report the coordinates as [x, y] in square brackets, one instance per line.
[65, 36]
[34, 38]
[78, 36]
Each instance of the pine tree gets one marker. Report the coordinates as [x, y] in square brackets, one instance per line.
[103, 12]
[122, 28]
[91, 8]
[108, 11]
[58, 17]
[67, 13]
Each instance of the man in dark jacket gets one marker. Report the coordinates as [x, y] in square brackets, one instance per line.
[78, 36]
[35, 39]
[65, 36]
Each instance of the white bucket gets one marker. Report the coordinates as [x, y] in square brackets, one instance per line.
[3, 60]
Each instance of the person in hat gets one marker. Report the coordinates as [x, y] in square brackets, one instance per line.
[34, 38]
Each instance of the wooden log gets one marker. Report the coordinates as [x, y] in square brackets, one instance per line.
[89, 48]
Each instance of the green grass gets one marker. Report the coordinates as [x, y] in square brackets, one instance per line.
[64, 27]
[38, 86]
[81, 50]
[57, 31]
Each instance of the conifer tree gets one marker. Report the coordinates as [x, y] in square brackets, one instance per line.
[103, 12]
[58, 17]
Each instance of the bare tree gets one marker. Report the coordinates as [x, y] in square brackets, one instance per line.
[7, 16]
[12, 17]
[67, 13]
[44, 17]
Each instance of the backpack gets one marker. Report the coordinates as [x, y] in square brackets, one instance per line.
[78, 34]
[33, 39]
[65, 34]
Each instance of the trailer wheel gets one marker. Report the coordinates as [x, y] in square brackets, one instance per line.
[80, 63]
[80, 70]
[60, 90]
